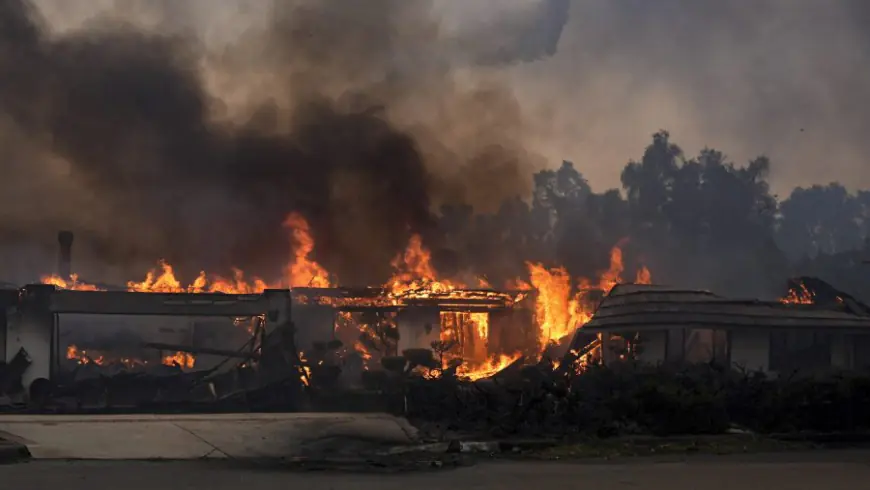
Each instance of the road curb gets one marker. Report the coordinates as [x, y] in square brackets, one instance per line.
[11, 452]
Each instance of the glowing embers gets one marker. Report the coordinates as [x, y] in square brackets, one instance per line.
[105, 358]
[180, 359]
[799, 294]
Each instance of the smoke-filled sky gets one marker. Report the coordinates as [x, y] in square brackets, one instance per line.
[786, 78]
[190, 128]
[184, 131]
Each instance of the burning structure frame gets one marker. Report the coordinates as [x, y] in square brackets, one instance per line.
[30, 328]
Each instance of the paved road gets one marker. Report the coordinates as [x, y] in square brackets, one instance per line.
[830, 470]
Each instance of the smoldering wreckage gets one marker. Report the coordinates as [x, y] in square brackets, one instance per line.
[304, 343]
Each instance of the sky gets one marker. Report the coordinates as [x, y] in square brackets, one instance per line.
[784, 78]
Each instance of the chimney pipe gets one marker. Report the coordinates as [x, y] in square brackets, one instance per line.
[64, 256]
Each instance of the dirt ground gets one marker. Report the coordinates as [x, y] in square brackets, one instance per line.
[830, 470]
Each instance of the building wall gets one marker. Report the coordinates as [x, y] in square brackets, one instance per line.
[34, 336]
[841, 352]
[83, 328]
[859, 348]
[653, 347]
[750, 349]
[418, 327]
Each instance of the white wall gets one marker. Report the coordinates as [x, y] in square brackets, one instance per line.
[413, 324]
[35, 338]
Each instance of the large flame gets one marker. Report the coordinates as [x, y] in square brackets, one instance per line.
[468, 333]
[414, 274]
[561, 307]
[488, 368]
[557, 311]
[300, 272]
[304, 272]
[165, 282]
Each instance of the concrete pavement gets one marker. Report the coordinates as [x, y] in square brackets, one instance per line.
[828, 470]
[182, 437]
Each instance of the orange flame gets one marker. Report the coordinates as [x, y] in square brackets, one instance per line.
[238, 284]
[304, 272]
[301, 272]
[800, 295]
[304, 370]
[72, 283]
[165, 282]
[490, 367]
[82, 356]
[612, 276]
[558, 310]
[415, 276]
[180, 359]
[644, 276]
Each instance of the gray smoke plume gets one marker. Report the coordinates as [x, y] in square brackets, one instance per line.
[785, 78]
[136, 133]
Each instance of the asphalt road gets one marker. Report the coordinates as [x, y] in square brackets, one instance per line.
[829, 470]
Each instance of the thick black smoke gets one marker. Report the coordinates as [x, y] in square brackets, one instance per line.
[110, 131]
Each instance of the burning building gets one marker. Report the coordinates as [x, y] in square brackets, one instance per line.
[814, 327]
[474, 330]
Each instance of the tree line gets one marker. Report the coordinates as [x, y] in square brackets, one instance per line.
[695, 221]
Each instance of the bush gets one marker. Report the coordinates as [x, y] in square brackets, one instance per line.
[635, 398]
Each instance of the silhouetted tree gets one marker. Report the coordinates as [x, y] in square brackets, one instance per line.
[821, 219]
[698, 222]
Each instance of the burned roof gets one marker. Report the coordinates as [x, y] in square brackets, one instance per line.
[641, 307]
